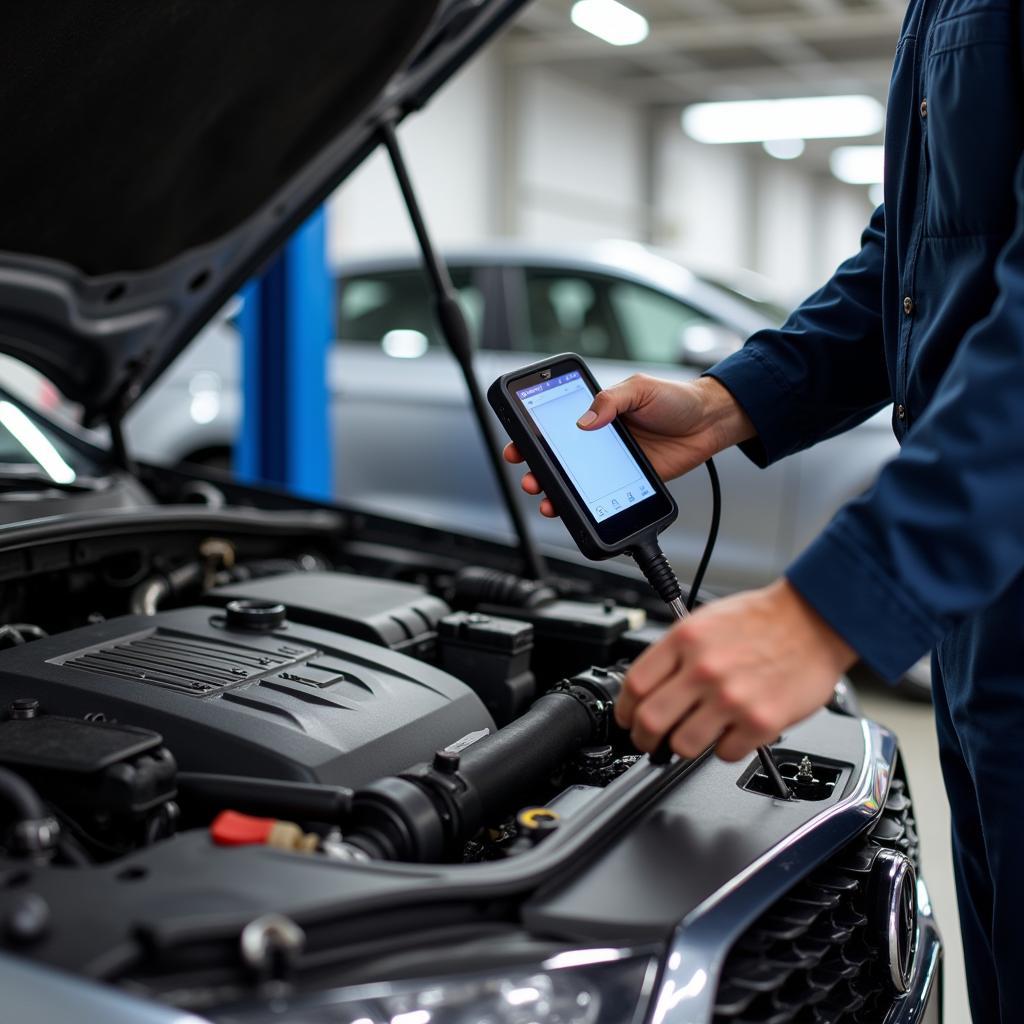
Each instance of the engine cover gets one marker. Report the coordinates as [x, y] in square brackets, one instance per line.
[297, 702]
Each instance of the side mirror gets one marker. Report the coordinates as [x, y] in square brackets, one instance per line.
[702, 345]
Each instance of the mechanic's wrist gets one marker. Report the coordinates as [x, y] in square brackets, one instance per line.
[722, 415]
[841, 655]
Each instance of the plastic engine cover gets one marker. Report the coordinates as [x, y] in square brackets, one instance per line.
[297, 702]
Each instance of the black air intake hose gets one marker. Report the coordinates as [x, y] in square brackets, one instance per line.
[428, 812]
[20, 797]
[476, 585]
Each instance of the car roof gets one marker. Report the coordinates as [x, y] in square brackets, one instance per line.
[734, 296]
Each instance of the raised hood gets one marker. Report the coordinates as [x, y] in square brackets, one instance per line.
[156, 153]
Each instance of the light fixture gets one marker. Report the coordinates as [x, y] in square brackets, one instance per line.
[784, 149]
[611, 21]
[858, 165]
[808, 117]
[876, 194]
[36, 443]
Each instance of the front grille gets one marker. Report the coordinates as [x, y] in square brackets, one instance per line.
[810, 958]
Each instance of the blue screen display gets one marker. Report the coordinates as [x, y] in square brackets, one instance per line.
[597, 462]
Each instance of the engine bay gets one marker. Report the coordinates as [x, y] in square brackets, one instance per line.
[238, 713]
[254, 673]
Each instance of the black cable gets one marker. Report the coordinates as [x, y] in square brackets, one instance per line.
[654, 565]
[709, 544]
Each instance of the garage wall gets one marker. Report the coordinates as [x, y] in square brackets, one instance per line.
[578, 158]
[703, 200]
[508, 152]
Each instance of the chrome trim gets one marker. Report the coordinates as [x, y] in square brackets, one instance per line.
[702, 940]
[896, 873]
[926, 979]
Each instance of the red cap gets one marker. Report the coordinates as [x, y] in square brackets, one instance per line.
[230, 828]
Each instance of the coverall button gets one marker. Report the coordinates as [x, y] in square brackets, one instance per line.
[908, 305]
[901, 412]
[924, 107]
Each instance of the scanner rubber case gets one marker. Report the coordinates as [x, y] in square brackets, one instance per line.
[621, 533]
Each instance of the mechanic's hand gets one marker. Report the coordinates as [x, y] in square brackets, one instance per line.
[678, 424]
[736, 673]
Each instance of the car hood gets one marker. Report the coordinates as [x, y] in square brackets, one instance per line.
[156, 154]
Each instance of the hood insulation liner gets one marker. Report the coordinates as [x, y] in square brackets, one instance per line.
[136, 130]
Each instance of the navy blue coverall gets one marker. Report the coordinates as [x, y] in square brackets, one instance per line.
[930, 316]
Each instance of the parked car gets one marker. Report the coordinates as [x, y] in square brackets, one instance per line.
[264, 759]
[623, 307]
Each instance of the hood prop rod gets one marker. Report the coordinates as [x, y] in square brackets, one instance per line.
[456, 334]
[118, 445]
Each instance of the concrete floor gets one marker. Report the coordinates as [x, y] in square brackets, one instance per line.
[913, 724]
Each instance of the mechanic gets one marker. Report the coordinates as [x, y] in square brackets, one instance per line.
[929, 315]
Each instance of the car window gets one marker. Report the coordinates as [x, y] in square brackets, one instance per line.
[396, 310]
[568, 311]
[656, 327]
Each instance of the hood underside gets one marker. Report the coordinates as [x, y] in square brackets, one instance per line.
[157, 153]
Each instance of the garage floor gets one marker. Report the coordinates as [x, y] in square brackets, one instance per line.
[913, 724]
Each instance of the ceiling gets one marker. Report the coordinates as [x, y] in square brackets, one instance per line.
[722, 49]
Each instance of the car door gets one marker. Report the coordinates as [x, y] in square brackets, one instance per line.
[623, 327]
[405, 440]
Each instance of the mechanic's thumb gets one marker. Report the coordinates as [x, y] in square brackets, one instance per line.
[610, 403]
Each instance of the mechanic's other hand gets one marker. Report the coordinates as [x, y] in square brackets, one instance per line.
[679, 424]
[736, 673]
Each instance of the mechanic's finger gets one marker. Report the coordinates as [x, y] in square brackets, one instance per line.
[699, 730]
[530, 485]
[738, 744]
[614, 401]
[646, 674]
[512, 454]
[656, 715]
[547, 509]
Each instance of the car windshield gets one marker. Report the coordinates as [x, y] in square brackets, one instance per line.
[30, 448]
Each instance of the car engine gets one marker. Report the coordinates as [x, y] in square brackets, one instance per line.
[284, 686]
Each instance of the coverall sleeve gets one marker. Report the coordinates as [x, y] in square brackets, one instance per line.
[824, 370]
[941, 534]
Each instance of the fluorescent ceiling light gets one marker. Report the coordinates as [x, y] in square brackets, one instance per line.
[611, 21]
[858, 165]
[810, 117]
[784, 149]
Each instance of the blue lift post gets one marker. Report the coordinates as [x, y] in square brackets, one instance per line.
[285, 322]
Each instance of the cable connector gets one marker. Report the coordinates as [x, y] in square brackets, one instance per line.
[651, 561]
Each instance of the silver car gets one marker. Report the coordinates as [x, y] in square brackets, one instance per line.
[623, 307]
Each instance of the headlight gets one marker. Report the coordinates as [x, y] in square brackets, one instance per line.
[593, 986]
